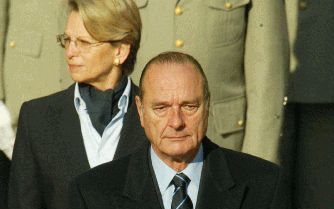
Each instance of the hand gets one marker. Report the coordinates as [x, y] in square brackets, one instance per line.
[6, 132]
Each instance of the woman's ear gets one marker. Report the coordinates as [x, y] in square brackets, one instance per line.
[122, 52]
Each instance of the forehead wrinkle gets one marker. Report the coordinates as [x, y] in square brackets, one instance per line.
[165, 78]
[169, 95]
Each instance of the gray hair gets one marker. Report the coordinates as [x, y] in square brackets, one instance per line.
[173, 57]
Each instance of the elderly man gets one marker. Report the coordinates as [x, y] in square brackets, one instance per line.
[244, 50]
[181, 168]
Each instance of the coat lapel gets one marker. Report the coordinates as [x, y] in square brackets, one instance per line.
[139, 187]
[217, 187]
[132, 134]
[67, 130]
[70, 137]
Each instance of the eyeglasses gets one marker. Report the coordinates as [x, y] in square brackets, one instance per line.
[83, 45]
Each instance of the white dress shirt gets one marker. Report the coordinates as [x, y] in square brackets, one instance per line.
[101, 149]
[165, 174]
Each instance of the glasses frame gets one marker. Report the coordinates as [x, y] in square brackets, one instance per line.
[80, 44]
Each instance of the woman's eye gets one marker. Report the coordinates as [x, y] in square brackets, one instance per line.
[67, 40]
[84, 43]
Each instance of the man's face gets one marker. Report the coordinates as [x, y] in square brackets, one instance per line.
[173, 111]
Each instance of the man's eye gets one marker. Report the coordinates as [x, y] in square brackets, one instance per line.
[190, 108]
[160, 109]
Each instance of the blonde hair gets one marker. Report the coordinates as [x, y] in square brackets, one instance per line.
[114, 21]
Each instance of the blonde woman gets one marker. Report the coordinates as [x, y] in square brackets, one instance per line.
[93, 121]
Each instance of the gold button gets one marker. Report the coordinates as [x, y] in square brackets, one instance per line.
[240, 123]
[179, 43]
[285, 100]
[302, 5]
[228, 5]
[12, 44]
[178, 10]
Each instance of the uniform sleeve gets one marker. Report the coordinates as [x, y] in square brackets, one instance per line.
[24, 185]
[3, 26]
[266, 70]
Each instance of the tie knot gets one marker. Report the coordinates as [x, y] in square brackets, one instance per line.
[181, 180]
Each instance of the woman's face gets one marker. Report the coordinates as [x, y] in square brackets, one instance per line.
[91, 64]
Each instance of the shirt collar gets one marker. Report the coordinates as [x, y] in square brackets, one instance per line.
[79, 103]
[123, 102]
[165, 174]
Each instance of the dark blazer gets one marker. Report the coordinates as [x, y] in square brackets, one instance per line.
[230, 180]
[4, 174]
[49, 150]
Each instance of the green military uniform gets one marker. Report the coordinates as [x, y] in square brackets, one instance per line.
[33, 64]
[3, 21]
[243, 47]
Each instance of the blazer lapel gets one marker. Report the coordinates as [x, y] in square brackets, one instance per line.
[67, 130]
[139, 186]
[217, 187]
[70, 137]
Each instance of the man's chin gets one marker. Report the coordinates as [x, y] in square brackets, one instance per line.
[181, 154]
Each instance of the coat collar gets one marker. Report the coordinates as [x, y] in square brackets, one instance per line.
[217, 187]
[140, 186]
[132, 135]
[67, 130]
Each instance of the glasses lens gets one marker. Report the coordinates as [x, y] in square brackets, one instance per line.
[83, 45]
[61, 40]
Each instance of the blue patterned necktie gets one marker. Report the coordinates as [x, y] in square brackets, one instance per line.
[181, 200]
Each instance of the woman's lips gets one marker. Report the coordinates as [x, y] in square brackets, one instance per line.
[73, 66]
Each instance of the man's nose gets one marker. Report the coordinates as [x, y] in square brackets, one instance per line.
[176, 119]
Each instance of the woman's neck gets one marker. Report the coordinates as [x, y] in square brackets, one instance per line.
[110, 81]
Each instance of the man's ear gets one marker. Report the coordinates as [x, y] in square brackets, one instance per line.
[140, 110]
[122, 52]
